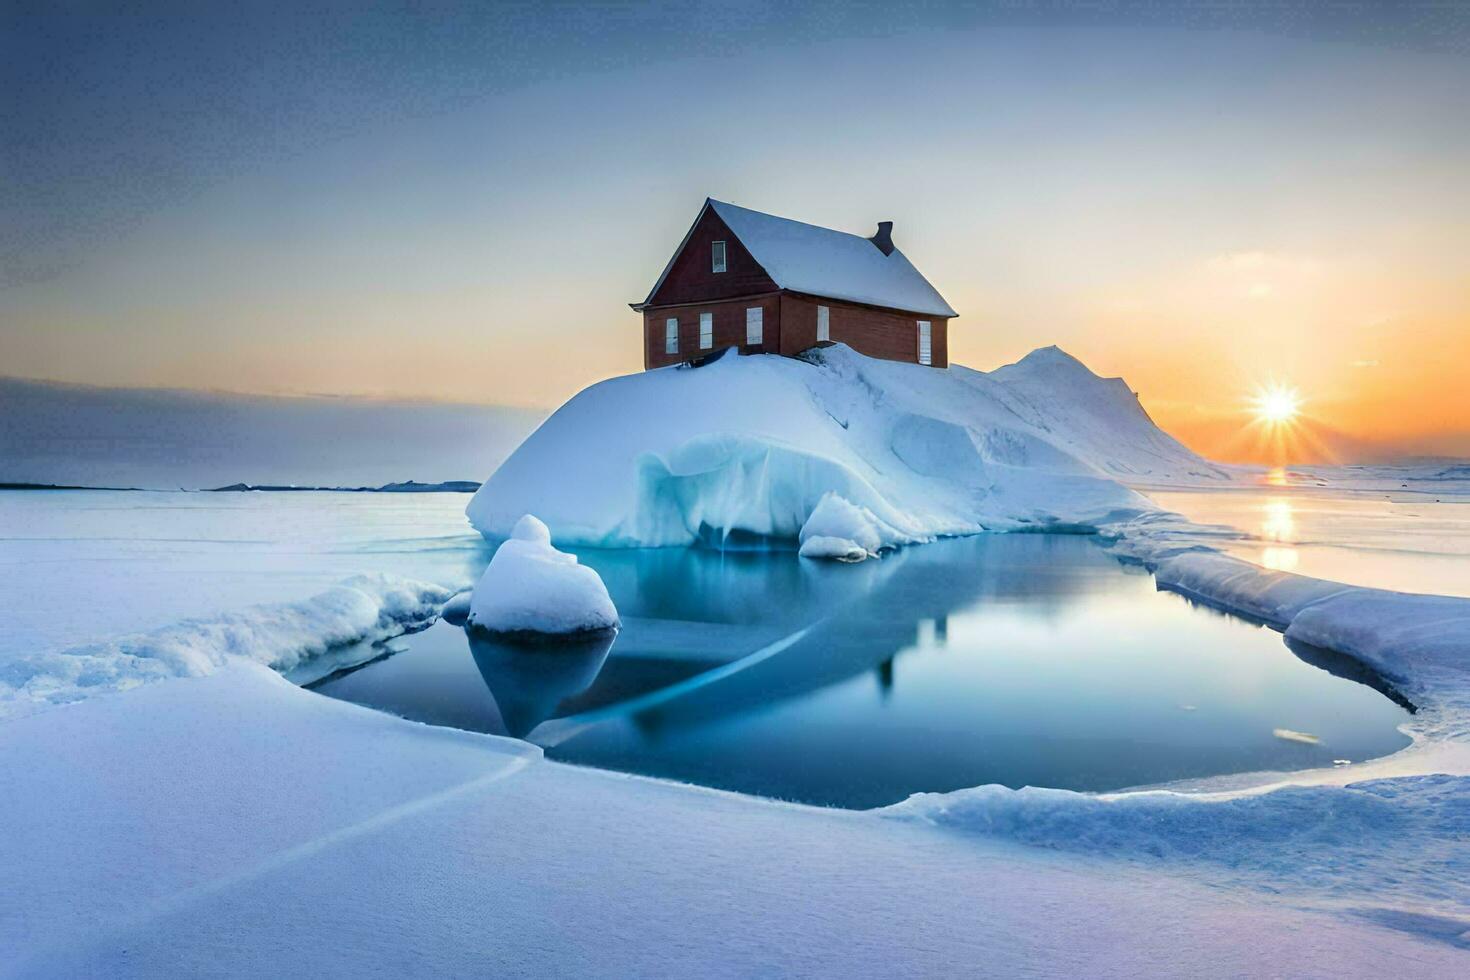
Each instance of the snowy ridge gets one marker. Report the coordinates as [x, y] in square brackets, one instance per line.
[279, 635]
[1081, 411]
[1405, 839]
[749, 446]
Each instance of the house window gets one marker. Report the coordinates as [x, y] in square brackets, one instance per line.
[671, 335]
[717, 256]
[706, 331]
[824, 324]
[753, 325]
[926, 351]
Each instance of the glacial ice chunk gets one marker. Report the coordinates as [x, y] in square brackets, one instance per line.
[838, 528]
[531, 587]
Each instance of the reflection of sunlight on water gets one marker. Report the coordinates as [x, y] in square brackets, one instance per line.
[1279, 559]
[1276, 476]
[1279, 525]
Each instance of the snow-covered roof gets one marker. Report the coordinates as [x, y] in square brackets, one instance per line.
[822, 262]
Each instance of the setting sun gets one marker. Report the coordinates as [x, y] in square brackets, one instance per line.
[1277, 404]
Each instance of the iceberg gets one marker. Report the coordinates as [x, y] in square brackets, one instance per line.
[750, 448]
[531, 588]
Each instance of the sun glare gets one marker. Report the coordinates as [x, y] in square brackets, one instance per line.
[1279, 430]
[1277, 405]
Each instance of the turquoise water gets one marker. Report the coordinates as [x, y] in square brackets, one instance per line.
[1014, 659]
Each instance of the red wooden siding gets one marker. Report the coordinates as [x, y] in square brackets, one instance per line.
[691, 286]
[690, 279]
[866, 329]
[729, 329]
[790, 327]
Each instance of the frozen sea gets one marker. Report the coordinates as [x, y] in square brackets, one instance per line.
[80, 566]
[287, 801]
[1408, 542]
[992, 659]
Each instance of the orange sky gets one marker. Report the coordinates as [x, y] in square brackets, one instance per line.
[1199, 212]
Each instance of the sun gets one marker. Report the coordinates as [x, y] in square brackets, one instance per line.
[1277, 405]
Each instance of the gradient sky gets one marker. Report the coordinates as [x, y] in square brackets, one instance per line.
[322, 198]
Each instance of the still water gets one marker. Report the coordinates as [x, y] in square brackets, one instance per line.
[1014, 659]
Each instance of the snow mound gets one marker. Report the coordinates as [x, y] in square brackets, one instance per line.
[1406, 838]
[282, 636]
[748, 448]
[457, 610]
[530, 587]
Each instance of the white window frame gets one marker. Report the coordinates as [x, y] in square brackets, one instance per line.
[755, 327]
[926, 342]
[824, 325]
[706, 331]
[671, 335]
[719, 255]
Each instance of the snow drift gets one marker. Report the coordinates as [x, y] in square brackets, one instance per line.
[279, 635]
[748, 448]
[530, 587]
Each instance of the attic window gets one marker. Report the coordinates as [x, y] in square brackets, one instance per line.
[717, 256]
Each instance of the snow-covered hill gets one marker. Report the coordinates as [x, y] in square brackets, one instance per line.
[1100, 419]
[747, 447]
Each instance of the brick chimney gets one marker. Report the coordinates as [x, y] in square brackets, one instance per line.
[884, 238]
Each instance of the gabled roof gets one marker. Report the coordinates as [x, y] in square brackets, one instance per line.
[822, 262]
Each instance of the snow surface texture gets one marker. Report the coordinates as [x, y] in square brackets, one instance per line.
[1404, 840]
[278, 635]
[749, 447]
[235, 825]
[530, 587]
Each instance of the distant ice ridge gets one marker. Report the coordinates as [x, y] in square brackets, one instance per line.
[747, 448]
[530, 587]
[279, 635]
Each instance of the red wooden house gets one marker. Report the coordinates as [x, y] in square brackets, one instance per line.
[772, 285]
